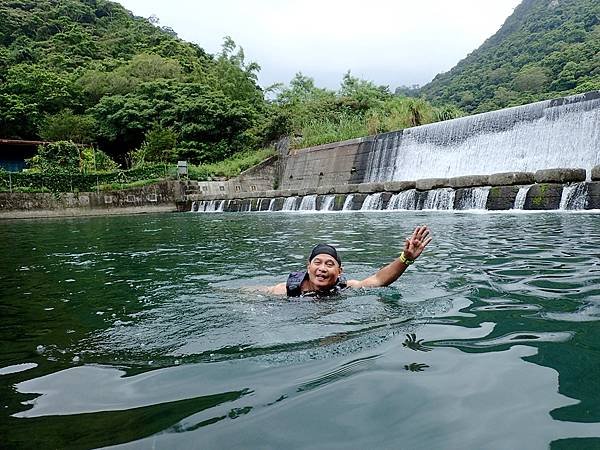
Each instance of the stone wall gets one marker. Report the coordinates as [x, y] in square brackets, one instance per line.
[154, 198]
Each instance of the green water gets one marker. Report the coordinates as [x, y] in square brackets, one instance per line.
[138, 332]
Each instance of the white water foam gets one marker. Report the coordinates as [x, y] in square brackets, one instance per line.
[405, 200]
[440, 199]
[289, 204]
[475, 198]
[348, 203]
[574, 196]
[308, 203]
[373, 202]
[327, 204]
[552, 133]
[521, 196]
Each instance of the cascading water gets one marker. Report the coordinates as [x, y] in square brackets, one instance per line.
[574, 196]
[554, 133]
[348, 202]
[475, 198]
[308, 203]
[289, 204]
[208, 206]
[404, 200]
[373, 202]
[440, 199]
[327, 204]
[271, 205]
[521, 196]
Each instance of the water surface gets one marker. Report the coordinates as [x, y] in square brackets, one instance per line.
[139, 332]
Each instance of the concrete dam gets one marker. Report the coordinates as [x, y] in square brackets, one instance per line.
[544, 155]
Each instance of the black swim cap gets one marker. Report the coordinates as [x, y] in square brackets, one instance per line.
[325, 249]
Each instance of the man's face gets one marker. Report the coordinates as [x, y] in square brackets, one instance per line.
[323, 271]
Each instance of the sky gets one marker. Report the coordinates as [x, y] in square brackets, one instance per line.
[388, 42]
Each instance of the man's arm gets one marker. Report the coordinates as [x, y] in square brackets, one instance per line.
[413, 247]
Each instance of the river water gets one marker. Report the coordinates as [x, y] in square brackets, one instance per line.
[139, 332]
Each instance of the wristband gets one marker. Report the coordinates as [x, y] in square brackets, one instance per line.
[405, 260]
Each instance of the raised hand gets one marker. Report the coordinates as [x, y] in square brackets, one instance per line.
[414, 245]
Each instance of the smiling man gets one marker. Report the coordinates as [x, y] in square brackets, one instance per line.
[323, 275]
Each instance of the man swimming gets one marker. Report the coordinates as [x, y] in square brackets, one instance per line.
[323, 275]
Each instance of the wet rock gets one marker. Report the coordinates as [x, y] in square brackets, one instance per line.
[543, 196]
[427, 184]
[346, 189]
[370, 188]
[501, 198]
[357, 201]
[469, 181]
[593, 195]
[560, 175]
[398, 186]
[596, 173]
[511, 178]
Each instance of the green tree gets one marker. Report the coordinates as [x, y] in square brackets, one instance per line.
[56, 157]
[531, 78]
[67, 126]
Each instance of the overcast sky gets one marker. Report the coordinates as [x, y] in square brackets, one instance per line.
[390, 42]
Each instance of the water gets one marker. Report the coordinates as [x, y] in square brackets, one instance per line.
[308, 203]
[474, 198]
[137, 332]
[542, 135]
[328, 202]
[521, 197]
[372, 202]
[574, 196]
[290, 204]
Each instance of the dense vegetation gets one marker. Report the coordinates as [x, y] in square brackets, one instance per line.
[90, 72]
[545, 49]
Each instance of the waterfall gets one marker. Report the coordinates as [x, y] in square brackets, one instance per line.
[194, 207]
[372, 202]
[521, 196]
[271, 205]
[475, 198]
[440, 199]
[289, 204]
[574, 196]
[404, 200]
[348, 202]
[554, 133]
[327, 204]
[308, 203]
[209, 206]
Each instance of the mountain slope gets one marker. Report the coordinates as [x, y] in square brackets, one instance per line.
[545, 49]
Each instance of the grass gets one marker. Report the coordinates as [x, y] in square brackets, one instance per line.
[229, 167]
[325, 131]
[133, 184]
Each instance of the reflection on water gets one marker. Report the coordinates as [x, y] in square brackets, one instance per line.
[139, 331]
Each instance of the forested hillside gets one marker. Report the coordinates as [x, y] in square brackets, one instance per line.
[545, 49]
[89, 70]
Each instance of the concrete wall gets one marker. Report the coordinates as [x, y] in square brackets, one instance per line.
[261, 177]
[154, 198]
[326, 165]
